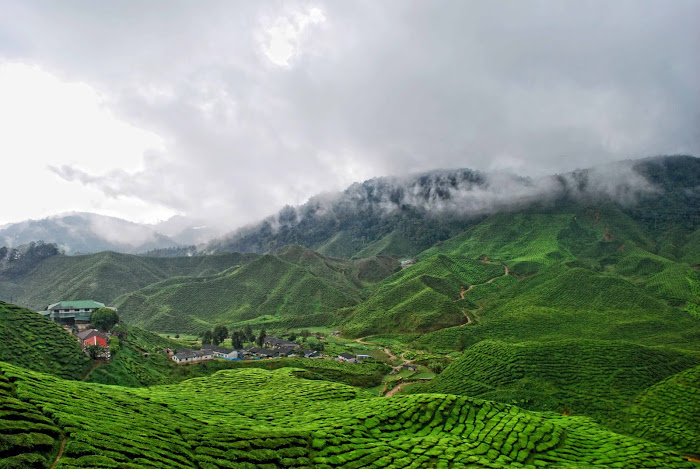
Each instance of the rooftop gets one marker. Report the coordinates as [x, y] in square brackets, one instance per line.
[77, 304]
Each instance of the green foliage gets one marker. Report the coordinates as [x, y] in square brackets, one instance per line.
[278, 419]
[296, 287]
[422, 297]
[104, 318]
[34, 342]
[668, 412]
[579, 377]
[219, 334]
[27, 436]
[104, 276]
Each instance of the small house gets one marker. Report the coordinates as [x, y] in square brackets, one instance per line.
[261, 352]
[274, 342]
[347, 357]
[408, 366]
[311, 354]
[187, 355]
[285, 351]
[222, 352]
[92, 337]
[363, 357]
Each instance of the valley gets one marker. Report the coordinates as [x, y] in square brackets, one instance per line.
[557, 334]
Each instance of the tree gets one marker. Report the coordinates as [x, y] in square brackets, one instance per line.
[207, 338]
[220, 334]
[261, 337]
[292, 336]
[95, 351]
[237, 339]
[104, 318]
[248, 332]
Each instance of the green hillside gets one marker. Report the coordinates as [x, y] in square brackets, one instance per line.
[422, 297]
[296, 287]
[578, 377]
[668, 412]
[404, 216]
[32, 341]
[260, 418]
[104, 276]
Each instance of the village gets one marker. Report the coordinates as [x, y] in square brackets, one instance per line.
[76, 318]
[272, 348]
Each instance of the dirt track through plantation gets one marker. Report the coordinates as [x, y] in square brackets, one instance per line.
[464, 291]
[60, 452]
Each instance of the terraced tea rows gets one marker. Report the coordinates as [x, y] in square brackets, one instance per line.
[27, 437]
[421, 297]
[669, 412]
[32, 341]
[258, 418]
[584, 377]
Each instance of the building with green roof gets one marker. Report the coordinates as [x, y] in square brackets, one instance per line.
[72, 312]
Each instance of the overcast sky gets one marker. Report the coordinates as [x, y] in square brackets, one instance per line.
[229, 110]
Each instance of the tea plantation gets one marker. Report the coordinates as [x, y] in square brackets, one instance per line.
[294, 283]
[577, 377]
[104, 276]
[259, 418]
[421, 297]
[34, 342]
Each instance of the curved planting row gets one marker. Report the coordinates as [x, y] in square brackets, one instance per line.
[258, 418]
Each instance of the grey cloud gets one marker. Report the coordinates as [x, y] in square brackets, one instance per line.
[381, 88]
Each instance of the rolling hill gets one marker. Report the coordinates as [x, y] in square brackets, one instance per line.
[293, 288]
[278, 419]
[404, 216]
[103, 276]
[28, 339]
[576, 376]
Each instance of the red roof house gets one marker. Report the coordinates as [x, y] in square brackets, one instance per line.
[93, 337]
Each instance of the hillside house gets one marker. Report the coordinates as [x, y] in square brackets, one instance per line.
[347, 357]
[187, 355]
[261, 352]
[223, 352]
[312, 354]
[409, 367]
[93, 337]
[72, 312]
[285, 351]
[273, 342]
[363, 357]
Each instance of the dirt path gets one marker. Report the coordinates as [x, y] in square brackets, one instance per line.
[95, 365]
[463, 291]
[469, 320]
[396, 389]
[60, 452]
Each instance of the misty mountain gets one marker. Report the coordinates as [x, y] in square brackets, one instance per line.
[403, 216]
[85, 233]
[186, 231]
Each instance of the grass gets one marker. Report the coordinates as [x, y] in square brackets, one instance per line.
[261, 418]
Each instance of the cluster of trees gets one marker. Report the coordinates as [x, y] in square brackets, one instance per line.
[238, 336]
[18, 261]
